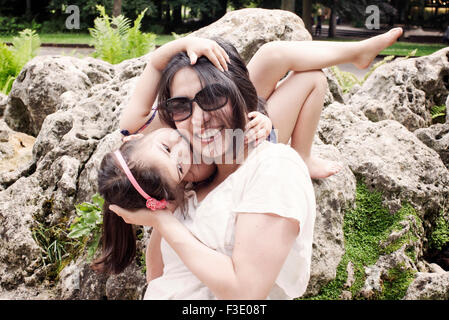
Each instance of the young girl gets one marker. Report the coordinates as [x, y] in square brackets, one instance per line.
[126, 180]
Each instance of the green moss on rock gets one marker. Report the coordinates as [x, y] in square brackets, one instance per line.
[366, 228]
[440, 235]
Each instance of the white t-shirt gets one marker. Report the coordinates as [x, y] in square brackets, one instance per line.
[273, 179]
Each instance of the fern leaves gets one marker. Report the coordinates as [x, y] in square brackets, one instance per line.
[115, 40]
[24, 48]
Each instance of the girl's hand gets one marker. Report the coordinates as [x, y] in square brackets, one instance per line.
[140, 217]
[197, 47]
[258, 129]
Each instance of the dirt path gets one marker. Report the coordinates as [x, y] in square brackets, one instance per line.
[76, 52]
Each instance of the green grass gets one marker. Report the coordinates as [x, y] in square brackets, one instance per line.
[164, 38]
[82, 38]
[403, 48]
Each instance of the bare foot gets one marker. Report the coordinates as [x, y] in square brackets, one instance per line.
[372, 46]
[320, 168]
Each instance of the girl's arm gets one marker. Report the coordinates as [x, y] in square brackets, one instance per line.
[247, 274]
[153, 257]
[139, 108]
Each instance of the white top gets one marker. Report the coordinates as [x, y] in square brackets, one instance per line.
[273, 179]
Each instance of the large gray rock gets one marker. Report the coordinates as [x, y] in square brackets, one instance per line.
[334, 196]
[46, 195]
[3, 103]
[334, 92]
[15, 149]
[389, 158]
[429, 286]
[36, 91]
[405, 90]
[436, 137]
[379, 272]
[248, 29]
[447, 109]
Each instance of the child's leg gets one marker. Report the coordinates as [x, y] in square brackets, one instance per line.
[294, 108]
[274, 59]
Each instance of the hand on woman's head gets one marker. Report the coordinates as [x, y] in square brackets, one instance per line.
[197, 47]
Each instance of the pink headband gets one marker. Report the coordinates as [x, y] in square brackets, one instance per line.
[152, 203]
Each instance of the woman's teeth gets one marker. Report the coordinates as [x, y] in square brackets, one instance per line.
[208, 134]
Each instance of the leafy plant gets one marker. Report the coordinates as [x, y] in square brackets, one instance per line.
[56, 248]
[86, 228]
[377, 65]
[438, 113]
[347, 80]
[115, 40]
[24, 48]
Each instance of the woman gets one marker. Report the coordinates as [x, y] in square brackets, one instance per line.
[223, 255]
[216, 260]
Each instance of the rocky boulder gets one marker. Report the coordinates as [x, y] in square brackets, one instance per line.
[15, 150]
[248, 29]
[405, 90]
[387, 157]
[429, 286]
[3, 102]
[36, 91]
[334, 196]
[436, 137]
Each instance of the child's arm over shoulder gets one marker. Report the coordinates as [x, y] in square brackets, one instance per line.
[259, 128]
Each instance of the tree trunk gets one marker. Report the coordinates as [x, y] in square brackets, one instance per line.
[117, 9]
[28, 8]
[288, 5]
[307, 14]
[333, 21]
[177, 16]
[222, 11]
[168, 27]
[159, 10]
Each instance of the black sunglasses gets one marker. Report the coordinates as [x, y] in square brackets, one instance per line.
[211, 97]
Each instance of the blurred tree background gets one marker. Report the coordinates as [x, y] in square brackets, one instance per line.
[180, 16]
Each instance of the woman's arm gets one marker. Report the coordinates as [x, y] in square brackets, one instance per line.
[153, 257]
[139, 108]
[247, 274]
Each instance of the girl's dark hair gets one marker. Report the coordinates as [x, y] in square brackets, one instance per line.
[243, 95]
[118, 237]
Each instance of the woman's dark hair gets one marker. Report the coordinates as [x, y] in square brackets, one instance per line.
[118, 237]
[243, 95]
